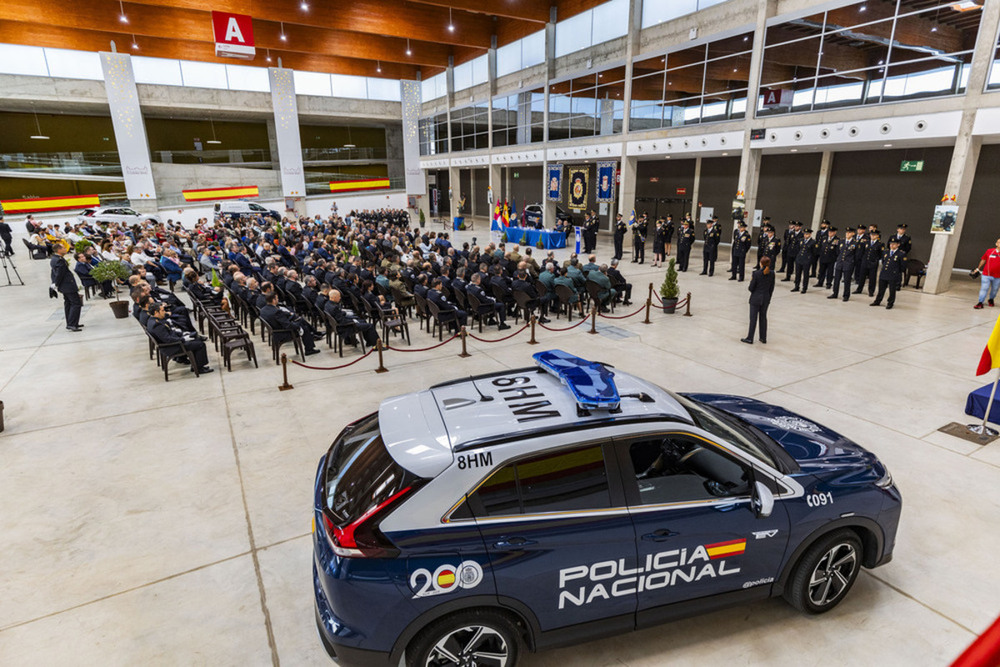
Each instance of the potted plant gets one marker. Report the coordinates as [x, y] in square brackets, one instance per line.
[114, 272]
[539, 244]
[81, 246]
[423, 220]
[503, 237]
[669, 289]
[524, 239]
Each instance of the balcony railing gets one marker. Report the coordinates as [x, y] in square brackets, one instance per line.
[336, 154]
[88, 164]
[257, 158]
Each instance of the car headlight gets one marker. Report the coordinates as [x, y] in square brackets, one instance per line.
[886, 481]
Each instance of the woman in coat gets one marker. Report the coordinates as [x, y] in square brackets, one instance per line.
[659, 243]
[761, 288]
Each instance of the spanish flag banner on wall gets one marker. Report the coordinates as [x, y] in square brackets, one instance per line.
[362, 184]
[40, 204]
[207, 194]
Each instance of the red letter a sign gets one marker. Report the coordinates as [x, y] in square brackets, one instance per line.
[233, 35]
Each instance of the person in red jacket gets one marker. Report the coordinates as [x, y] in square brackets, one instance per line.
[988, 272]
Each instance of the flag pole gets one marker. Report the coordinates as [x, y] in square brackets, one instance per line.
[983, 429]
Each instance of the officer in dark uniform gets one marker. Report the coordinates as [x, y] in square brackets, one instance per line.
[620, 228]
[821, 237]
[64, 282]
[761, 237]
[803, 259]
[871, 258]
[828, 252]
[787, 257]
[685, 240]
[843, 268]
[771, 247]
[595, 224]
[710, 251]
[892, 274]
[741, 247]
[668, 235]
[791, 249]
[905, 245]
[639, 230]
[862, 238]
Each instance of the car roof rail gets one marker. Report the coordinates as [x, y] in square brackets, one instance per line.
[480, 443]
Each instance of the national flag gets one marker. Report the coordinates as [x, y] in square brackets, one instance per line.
[513, 212]
[211, 194]
[496, 212]
[726, 549]
[40, 204]
[506, 214]
[991, 355]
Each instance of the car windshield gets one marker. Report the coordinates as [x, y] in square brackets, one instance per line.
[729, 429]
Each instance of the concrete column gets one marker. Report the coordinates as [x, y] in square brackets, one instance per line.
[626, 189]
[524, 118]
[455, 186]
[424, 203]
[607, 115]
[961, 175]
[749, 177]
[962, 171]
[822, 188]
[631, 49]
[496, 184]
[696, 190]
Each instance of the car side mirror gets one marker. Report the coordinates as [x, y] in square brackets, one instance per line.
[763, 500]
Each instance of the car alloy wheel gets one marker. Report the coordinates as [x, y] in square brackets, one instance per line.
[470, 646]
[833, 574]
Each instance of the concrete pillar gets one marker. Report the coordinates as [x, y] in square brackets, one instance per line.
[607, 116]
[455, 188]
[748, 179]
[424, 203]
[626, 189]
[961, 175]
[822, 189]
[524, 118]
[631, 49]
[696, 190]
[496, 185]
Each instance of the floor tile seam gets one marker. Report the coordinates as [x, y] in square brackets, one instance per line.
[278, 543]
[125, 591]
[262, 593]
[28, 360]
[921, 603]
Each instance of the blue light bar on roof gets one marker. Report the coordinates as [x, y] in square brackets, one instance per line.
[591, 384]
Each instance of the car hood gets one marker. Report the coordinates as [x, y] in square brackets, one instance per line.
[813, 446]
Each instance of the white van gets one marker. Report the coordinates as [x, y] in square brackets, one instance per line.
[240, 209]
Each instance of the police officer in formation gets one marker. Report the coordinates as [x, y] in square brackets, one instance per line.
[804, 259]
[668, 235]
[843, 268]
[639, 230]
[905, 245]
[892, 273]
[770, 245]
[685, 239]
[710, 251]
[741, 247]
[590, 226]
[786, 255]
[870, 257]
[790, 249]
[829, 249]
[820, 237]
[620, 228]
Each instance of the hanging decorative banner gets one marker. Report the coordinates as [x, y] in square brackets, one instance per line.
[555, 182]
[362, 184]
[606, 181]
[578, 177]
[221, 193]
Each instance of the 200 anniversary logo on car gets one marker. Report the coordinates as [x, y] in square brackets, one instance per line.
[446, 578]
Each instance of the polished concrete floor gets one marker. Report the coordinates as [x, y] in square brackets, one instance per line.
[168, 523]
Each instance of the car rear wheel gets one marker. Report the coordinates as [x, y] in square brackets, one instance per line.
[475, 638]
[826, 572]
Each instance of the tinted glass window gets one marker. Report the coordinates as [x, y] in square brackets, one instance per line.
[677, 468]
[556, 482]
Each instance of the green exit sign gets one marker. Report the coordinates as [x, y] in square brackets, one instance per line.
[517, 175]
[912, 165]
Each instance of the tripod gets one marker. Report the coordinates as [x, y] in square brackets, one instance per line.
[4, 260]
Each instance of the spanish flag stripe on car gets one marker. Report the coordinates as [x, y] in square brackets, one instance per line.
[49, 203]
[723, 549]
[207, 194]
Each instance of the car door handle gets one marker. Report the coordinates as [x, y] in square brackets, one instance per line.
[506, 542]
[659, 535]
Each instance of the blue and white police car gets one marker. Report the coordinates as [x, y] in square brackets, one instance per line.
[543, 506]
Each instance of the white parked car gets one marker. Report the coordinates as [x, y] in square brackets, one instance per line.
[120, 214]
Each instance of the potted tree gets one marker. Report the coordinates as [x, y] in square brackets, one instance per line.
[524, 238]
[669, 289]
[115, 272]
[423, 220]
[81, 246]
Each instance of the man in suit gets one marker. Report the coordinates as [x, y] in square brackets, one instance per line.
[892, 274]
[347, 319]
[803, 260]
[6, 235]
[605, 292]
[741, 247]
[64, 282]
[280, 317]
[488, 306]
[710, 251]
[171, 338]
[619, 283]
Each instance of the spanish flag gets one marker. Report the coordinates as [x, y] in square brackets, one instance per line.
[360, 184]
[726, 549]
[211, 194]
[41, 204]
[505, 218]
[991, 355]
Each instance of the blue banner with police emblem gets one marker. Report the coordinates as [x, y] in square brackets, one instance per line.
[578, 177]
[606, 181]
[555, 182]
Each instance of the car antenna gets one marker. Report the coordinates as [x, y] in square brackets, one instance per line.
[482, 397]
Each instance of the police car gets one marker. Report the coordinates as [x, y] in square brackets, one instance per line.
[549, 505]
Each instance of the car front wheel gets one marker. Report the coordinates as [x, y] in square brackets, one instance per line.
[825, 573]
[476, 638]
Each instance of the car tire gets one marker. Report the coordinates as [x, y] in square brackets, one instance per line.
[826, 572]
[461, 634]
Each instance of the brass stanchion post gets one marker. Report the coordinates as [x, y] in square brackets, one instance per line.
[284, 373]
[687, 311]
[381, 367]
[593, 322]
[649, 303]
[463, 334]
[533, 341]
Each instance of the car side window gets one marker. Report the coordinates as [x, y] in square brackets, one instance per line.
[562, 481]
[675, 468]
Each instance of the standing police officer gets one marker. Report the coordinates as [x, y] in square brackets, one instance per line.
[803, 259]
[639, 230]
[892, 274]
[843, 268]
[791, 249]
[710, 251]
[771, 246]
[741, 247]
[828, 252]
[684, 242]
[871, 259]
[620, 229]
[821, 237]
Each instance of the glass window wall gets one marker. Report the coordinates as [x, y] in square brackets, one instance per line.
[587, 106]
[433, 134]
[519, 118]
[470, 127]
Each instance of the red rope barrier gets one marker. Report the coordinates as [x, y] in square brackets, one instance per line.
[622, 317]
[498, 340]
[423, 349]
[679, 304]
[572, 326]
[332, 368]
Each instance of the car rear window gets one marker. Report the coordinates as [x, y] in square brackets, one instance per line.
[360, 473]
[87, 212]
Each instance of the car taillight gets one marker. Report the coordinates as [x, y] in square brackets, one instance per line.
[361, 538]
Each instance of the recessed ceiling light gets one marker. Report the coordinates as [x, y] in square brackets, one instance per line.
[862, 8]
[283, 37]
[408, 51]
[886, 145]
[795, 150]
[451, 25]
[122, 17]
[304, 6]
